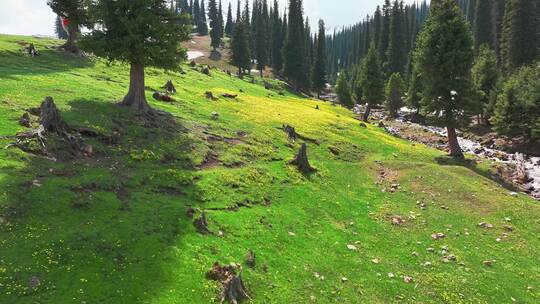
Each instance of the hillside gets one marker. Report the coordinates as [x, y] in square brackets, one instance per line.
[382, 220]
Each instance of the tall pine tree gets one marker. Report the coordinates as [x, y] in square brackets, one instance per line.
[76, 13]
[371, 81]
[520, 34]
[215, 31]
[294, 50]
[397, 52]
[229, 25]
[444, 58]
[319, 69]
[131, 33]
[240, 48]
[483, 24]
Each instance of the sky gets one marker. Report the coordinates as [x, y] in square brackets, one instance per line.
[34, 17]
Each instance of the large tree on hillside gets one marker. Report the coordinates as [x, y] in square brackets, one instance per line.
[240, 48]
[371, 81]
[143, 33]
[215, 31]
[76, 13]
[520, 34]
[229, 25]
[444, 57]
[483, 24]
[319, 69]
[294, 49]
[385, 32]
[196, 12]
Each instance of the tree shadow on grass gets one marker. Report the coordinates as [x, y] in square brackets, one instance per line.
[15, 63]
[98, 229]
[472, 165]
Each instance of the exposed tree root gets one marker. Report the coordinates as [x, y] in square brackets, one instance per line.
[234, 289]
[162, 97]
[51, 135]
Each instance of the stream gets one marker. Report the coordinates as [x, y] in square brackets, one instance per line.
[529, 166]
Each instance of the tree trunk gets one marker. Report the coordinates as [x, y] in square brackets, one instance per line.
[261, 72]
[366, 114]
[301, 161]
[136, 98]
[453, 144]
[240, 73]
[71, 45]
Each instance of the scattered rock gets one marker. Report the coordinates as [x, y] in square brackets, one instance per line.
[488, 263]
[391, 275]
[352, 247]
[428, 264]
[344, 279]
[407, 279]
[375, 261]
[438, 236]
[292, 233]
[397, 220]
[381, 124]
[485, 225]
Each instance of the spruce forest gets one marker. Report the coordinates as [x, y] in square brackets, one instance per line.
[269, 151]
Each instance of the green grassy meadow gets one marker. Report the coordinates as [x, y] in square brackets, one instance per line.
[112, 228]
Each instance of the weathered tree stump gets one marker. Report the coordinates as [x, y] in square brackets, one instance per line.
[201, 224]
[31, 50]
[169, 87]
[317, 107]
[50, 117]
[162, 97]
[233, 288]
[206, 71]
[301, 161]
[250, 258]
[210, 95]
[291, 132]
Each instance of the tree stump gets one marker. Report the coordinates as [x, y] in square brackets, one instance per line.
[250, 258]
[291, 132]
[193, 63]
[25, 120]
[50, 117]
[31, 50]
[301, 161]
[233, 289]
[210, 95]
[201, 224]
[169, 87]
[206, 71]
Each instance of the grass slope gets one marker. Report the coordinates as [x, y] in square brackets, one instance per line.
[113, 229]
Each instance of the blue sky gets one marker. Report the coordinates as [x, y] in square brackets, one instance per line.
[31, 17]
